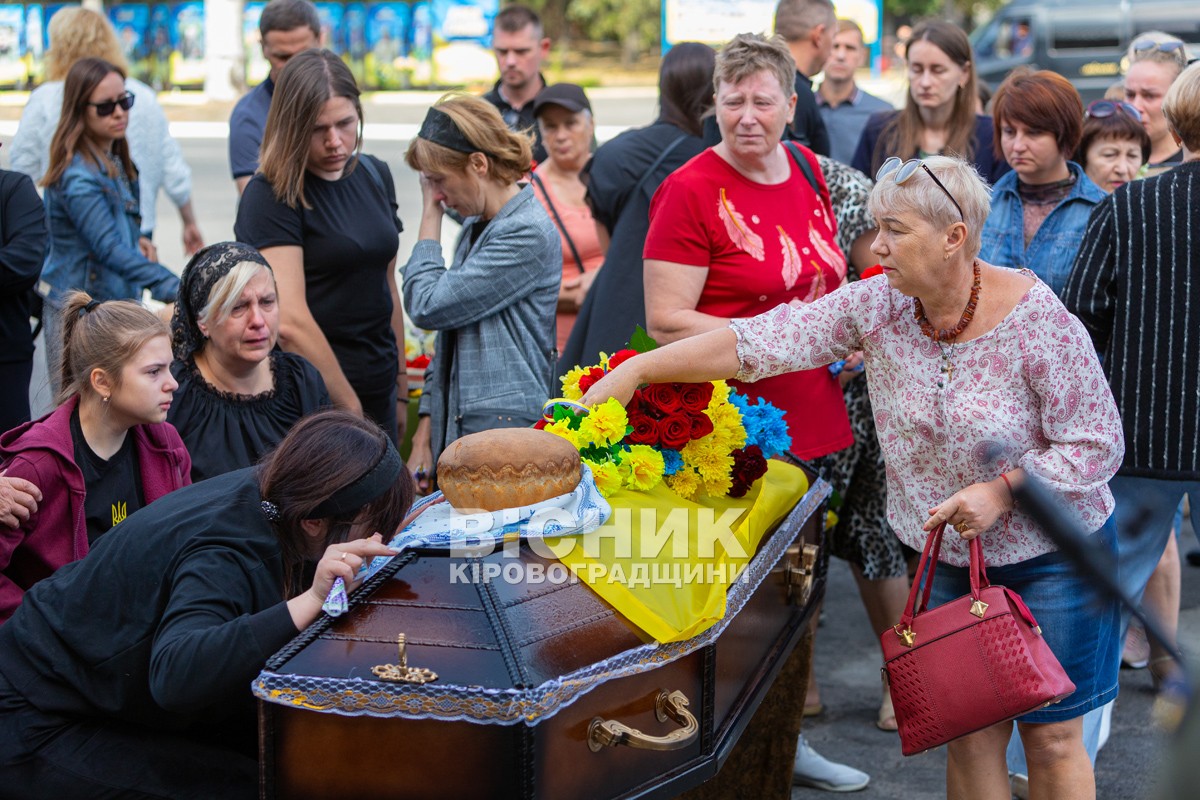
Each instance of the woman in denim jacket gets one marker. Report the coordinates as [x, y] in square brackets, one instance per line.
[91, 199]
[1040, 209]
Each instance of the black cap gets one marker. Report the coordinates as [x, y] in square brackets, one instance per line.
[567, 95]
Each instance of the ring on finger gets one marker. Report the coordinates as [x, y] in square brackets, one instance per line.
[344, 554]
[961, 527]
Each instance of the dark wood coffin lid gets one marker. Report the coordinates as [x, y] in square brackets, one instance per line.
[504, 652]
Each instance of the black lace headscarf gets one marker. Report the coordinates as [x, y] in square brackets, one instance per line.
[207, 266]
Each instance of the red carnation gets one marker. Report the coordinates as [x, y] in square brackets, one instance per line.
[695, 396]
[675, 430]
[621, 355]
[590, 378]
[748, 466]
[664, 397]
[540, 424]
[701, 425]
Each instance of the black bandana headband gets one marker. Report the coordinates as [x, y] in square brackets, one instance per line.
[366, 488]
[439, 128]
[207, 266]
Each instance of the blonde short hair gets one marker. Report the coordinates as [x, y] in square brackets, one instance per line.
[77, 33]
[509, 153]
[920, 195]
[1181, 107]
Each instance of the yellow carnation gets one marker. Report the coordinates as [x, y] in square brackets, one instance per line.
[605, 424]
[570, 383]
[685, 483]
[608, 478]
[645, 467]
[563, 428]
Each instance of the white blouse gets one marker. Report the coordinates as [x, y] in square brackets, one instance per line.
[1030, 393]
[157, 156]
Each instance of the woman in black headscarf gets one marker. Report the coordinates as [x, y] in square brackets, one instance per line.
[238, 394]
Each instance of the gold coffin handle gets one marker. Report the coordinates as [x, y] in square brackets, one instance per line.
[610, 733]
[800, 566]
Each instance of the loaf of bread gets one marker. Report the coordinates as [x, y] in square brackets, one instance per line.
[506, 468]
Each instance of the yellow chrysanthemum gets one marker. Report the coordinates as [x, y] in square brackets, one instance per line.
[727, 425]
[608, 478]
[720, 393]
[570, 383]
[606, 423]
[646, 467]
[718, 485]
[685, 483]
[708, 457]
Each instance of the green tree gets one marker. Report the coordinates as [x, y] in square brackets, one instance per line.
[635, 24]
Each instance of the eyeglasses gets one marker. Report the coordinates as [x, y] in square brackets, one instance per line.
[1175, 48]
[903, 170]
[106, 108]
[1106, 108]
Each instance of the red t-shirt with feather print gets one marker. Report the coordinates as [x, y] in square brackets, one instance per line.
[763, 245]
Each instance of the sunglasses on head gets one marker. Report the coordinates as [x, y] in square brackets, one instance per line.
[106, 108]
[1173, 48]
[1106, 108]
[903, 170]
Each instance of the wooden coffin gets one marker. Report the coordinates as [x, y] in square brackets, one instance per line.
[527, 674]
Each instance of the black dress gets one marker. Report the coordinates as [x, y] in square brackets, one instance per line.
[616, 303]
[225, 431]
[127, 673]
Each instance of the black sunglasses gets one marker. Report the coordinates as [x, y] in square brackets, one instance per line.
[1106, 108]
[903, 170]
[106, 108]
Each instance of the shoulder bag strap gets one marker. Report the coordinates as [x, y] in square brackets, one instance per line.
[373, 171]
[804, 166]
[537, 181]
[650, 171]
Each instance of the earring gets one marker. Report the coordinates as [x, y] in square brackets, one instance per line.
[104, 399]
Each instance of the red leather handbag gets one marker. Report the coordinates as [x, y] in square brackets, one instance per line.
[974, 662]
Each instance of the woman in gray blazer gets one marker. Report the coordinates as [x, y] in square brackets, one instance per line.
[494, 307]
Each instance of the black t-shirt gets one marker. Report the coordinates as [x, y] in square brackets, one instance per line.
[349, 237]
[114, 487]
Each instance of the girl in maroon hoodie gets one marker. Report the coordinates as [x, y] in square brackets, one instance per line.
[105, 452]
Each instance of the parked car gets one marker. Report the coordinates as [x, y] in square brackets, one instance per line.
[1082, 40]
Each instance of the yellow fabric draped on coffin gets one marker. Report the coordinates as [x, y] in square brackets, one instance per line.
[654, 537]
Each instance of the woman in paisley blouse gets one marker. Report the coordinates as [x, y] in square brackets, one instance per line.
[741, 228]
[979, 378]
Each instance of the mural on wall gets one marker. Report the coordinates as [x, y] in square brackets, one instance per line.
[131, 21]
[392, 44]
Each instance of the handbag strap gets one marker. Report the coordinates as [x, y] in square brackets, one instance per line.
[537, 181]
[637, 187]
[930, 555]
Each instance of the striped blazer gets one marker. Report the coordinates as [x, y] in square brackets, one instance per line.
[1136, 287]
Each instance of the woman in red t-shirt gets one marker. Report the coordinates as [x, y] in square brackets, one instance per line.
[740, 229]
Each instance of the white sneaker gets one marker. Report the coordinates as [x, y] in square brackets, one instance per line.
[813, 769]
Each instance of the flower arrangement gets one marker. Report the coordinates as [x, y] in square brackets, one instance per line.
[700, 438]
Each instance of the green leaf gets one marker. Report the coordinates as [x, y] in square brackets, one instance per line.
[641, 341]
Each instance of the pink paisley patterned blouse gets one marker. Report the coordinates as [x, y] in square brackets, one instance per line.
[1031, 388]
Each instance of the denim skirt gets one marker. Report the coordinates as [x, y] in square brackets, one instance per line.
[1081, 624]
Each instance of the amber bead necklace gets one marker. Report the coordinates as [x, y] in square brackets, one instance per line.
[950, 334]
